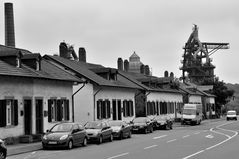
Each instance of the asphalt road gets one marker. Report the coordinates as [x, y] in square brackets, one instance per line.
[209, 140]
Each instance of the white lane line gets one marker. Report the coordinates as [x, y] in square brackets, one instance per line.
[209, 136]
[171, 140]
[186, 136]
[158, 137]
[193, 154]
[228, 138]
[150, 147]
[120, 155]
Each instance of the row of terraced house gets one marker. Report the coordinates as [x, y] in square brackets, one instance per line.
[38, 91]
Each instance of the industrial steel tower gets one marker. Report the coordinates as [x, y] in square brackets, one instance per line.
[197, 67]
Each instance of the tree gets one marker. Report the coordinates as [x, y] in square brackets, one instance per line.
[222, 93]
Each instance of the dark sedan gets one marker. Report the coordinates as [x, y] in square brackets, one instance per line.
[3, 150]
[162, 122]
[99, 131]
[142, 124]
[120, 129]
[65, 135]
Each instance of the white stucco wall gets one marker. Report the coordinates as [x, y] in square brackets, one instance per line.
[83, 103]
[20, 88]
[165, 97]
[116, 93]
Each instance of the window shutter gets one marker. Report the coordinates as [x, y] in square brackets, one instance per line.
[132, 108]
[108, 109]
[59, 110]
[49, 110]
[98, 109]
[15, 116]
[3, 108]
[124, 108]
[67, 110]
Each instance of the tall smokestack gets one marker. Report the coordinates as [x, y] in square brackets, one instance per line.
[9, 25]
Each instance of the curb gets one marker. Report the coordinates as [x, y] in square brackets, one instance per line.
[23, 148]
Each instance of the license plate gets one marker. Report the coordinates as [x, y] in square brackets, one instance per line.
[135, 129]
[52, 142]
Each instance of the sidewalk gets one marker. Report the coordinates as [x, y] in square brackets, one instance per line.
[23, 148]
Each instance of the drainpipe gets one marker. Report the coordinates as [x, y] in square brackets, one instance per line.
[146, 103]
[94, 99]
[73, 107]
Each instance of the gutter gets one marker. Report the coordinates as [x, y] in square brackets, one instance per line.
[73, 106]
[94, 100]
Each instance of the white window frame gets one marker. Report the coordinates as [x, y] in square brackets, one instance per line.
[9, 112]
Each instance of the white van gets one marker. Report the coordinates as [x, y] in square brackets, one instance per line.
[192, 114]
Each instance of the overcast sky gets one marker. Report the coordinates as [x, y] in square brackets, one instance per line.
[155, 29]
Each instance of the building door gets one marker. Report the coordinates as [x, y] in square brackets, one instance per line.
[114, 110]
[39, 116]
[117, 110]
[28, 116]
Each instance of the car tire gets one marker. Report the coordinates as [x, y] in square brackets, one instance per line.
[130, 133]
[43, 147]
[121, 136]
[111, 137]
[145, 131]
[151, 130]
[84, 142]
[100, 140]
[2, 155]
[70, 145]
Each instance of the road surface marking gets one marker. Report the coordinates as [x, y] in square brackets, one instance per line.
[123, 154]
[193, 154]
[171, 140]
[228, 138]
[150, 147]
[158, 137]
[186, 136]
[209, 136]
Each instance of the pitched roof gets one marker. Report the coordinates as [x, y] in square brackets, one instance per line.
[82, 70]
[48, 71]
[4, 48]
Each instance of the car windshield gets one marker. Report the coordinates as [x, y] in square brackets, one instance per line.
[93, 125]
[189, 111]
[140, 120]
[231, 113]
[115, 123]
[65, 127]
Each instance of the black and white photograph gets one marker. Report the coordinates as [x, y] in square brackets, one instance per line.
[119, 79]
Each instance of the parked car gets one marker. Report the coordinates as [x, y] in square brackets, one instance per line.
[120, 129]
[231, 115]
[3, 149]
[66, 134]
[99, 131]
[162, 122]
[142, 124]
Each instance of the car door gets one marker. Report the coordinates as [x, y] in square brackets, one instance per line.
[107, 130]
[125, 129]
[76, 134]
[82, 133]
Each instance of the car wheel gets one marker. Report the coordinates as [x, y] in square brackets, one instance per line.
[129, 136]
[84, 142]
[70, 145]
[2, 155]
[145, 131]
[111, 137]
[100, 140]
[151, 130]
[121, 136]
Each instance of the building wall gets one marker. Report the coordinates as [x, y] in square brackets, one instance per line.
[22, 88]
[116, 93]
[195, 99]
[83, 103]
[166, 97]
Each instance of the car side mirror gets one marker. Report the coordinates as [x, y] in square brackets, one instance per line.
[47, 130]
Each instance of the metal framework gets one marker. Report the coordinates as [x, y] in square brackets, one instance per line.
[197, 67]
